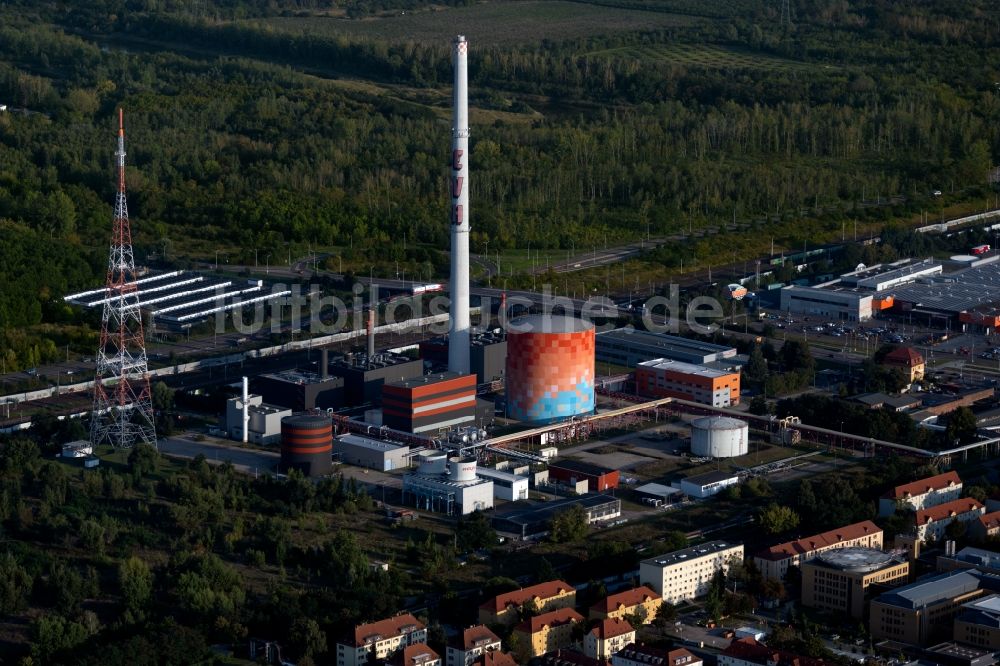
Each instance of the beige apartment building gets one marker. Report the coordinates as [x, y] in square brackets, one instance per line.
[608, 638]
[381, 639]
[503, 608]
[471, 644]
[543, 633]
[639, 600]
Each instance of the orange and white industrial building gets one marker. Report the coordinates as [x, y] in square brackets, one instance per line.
[664, 378]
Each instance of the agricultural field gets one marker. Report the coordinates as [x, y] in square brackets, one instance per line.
[716, 56]
[493, 24]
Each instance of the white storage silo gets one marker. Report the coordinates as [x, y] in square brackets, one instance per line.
[462, 469]
[719, 437]
[432, 462]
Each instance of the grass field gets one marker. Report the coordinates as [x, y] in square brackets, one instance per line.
[715, 56]
[493, 24]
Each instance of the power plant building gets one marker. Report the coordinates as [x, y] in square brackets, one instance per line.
[364, 375]
[263, 425]
[371, 453]
[527, 522]
[628, 347]
[429, 403]
[572, 472]
[488, 354]
[663, 378]
[300, 390]
[447, 485]
[506, 486]
[550, 368]
[307, 444]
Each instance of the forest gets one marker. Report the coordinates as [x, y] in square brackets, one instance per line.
[244, 134]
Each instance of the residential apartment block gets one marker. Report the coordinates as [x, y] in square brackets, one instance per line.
[471, 644]
[381, 639]
[607, 638]
[921, 494]
[930, 523]
[774, 562]
[686, 574]
[987, 525]
[503, 608]
[639, 600]
[543, 633]
[416, 655]
[644, 655]
[748, 652]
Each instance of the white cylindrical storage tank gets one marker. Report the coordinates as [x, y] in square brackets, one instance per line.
[719, 437]
[432, 462]
[463, 469]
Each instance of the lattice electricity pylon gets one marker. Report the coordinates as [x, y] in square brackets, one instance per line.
[786, 13]
[123, 403]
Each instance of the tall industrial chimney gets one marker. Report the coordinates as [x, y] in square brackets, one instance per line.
[458, 333]
[371, 334]
[246, 408]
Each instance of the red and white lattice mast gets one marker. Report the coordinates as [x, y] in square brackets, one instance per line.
[123, 406]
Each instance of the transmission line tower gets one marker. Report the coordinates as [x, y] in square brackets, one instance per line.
[786, 13]
[123, 406]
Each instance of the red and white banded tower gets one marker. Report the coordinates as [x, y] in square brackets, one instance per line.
[458, 333]
[123, 405]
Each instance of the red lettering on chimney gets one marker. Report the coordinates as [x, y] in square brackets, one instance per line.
[456, 217]
[456, 186]
[456, 159]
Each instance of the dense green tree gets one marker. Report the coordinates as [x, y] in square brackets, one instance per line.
[474, 531]
[961, 426]
[758, 405]
[136, 583]
[756, 368]
[569, 525]
[15, 584]
[776, 519]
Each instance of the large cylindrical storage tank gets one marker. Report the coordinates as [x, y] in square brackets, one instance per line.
[307, 444]
[550, 368]
[432, 462]
[462, 469]
[719, 437]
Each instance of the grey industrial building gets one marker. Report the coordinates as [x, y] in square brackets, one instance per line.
[526, 522]
[371, 453]
[629, 347]
[300, 390]
[264, 425]
[928, 291]
[488, 354]
[364, 376]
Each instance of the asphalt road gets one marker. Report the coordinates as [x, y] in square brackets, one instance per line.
[251, 461]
